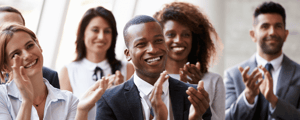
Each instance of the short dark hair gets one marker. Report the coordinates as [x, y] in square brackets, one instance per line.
[11, 9]
[270, 7]
[203, 47]
[137, 20]
[80, 45]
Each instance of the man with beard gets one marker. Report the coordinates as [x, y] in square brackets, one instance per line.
[267, 86]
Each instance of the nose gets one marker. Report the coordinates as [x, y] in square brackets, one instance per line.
[272, 30]
[101, 35]
[177, 39]
[152, 49]
[26, 55]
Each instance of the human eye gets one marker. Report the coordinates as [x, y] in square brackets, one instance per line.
[264, 26]
[279, 26]
[14, 54]
[141, 44]
[29, 46]
[170, 35]
[186, 34]
[107, 31]
[95, 30]
[159, 40]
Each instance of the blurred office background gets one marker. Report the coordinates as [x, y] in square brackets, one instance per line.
[55, 22]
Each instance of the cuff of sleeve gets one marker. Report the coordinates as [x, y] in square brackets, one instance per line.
[271, 109]
[250, 106]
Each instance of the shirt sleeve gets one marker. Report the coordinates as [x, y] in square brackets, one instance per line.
[250, 106]
[4, 110]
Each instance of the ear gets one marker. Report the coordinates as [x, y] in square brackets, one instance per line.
[127, 54]
[252, 35]
[286, 34]
[38, 44]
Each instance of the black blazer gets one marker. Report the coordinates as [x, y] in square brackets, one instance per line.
[123, 102]
[51, 76]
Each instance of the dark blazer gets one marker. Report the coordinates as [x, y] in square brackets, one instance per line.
[51, 76]
[288, 92]
[123, 102]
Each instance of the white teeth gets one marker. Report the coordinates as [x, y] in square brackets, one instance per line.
[153, 59]
[178, 48]
[31, 64]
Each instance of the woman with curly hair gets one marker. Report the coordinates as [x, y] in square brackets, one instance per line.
[189, 37]
[95, 50]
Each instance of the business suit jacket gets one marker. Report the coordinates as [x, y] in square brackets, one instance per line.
[288, 92]
[51, 76]
[123, 102]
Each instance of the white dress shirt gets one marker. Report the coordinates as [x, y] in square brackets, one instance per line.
[276, 63]
[59, 105]
[145, 89]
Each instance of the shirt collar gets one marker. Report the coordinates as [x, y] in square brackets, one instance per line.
[53, 93]
[146, 88]
[276, 63]
[91, 66]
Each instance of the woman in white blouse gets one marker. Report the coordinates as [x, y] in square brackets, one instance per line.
[28, 95]
[188, 34]
[95, 50]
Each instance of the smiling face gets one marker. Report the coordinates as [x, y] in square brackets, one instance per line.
[147, 50]
[178, 39]
[23, 45]
[97, 36]
[269, 33]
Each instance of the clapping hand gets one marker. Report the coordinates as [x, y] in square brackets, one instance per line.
[199, 101]
[252, 88]
[159, 107]
[266, 88]
[193, 71]
[22, 81]
[115, 79]
[91, 96]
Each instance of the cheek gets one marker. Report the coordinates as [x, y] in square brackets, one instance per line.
[168, 41]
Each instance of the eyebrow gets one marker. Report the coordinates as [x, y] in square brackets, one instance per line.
[160, 35]
[18, 49]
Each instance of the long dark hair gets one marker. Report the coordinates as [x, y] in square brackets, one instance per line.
[203, 47]
[80, 46]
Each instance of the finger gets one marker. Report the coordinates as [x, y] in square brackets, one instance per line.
[186, 70]
[202, 90]
[259, 83]
[23, 73]
[162, 78]
[244, 73]
[182, 76]
[255, 79]
[198, 65]
[16, 67]
[254, 72]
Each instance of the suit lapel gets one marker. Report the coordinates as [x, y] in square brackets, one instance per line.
[177, 100]
[133, 99]
[285, 76]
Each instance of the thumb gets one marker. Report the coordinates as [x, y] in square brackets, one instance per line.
[200, 85]
[198, 65]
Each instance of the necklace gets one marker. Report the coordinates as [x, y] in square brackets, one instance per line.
[40, 102]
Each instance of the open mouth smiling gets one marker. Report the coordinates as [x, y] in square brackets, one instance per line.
[153, 60]
[31, 64]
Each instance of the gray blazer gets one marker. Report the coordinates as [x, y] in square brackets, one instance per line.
[123, 102]
[288, 92]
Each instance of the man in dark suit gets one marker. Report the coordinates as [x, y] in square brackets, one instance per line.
[10, 14]
[130, 101]
[275, 94]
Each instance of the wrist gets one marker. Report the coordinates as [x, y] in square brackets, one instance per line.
[273, 101]
[250, 98]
